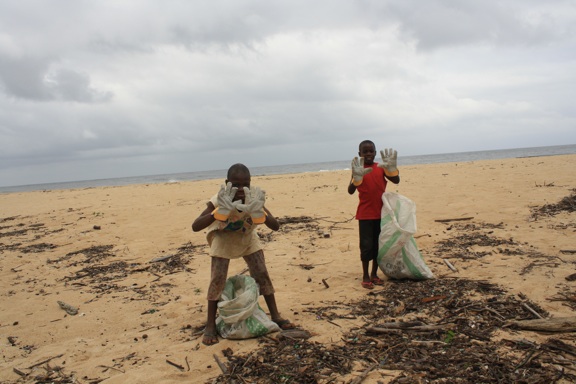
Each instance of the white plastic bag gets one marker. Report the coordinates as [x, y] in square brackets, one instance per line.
[398, 254]
[240, 316]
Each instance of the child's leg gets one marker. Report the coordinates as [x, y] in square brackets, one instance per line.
[366, 248]
[365, 273]
[258, 270]
[375, 246]
[218, 273]
[369, 243]
[210, 336]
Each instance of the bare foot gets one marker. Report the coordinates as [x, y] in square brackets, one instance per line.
[284, 324]
[209, 338]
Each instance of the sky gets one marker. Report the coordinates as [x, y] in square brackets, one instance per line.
[104, 89]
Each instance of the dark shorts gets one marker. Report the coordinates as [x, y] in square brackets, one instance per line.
[256, 266]
[369, 234]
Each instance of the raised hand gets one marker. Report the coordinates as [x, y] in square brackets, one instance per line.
[358, 170]
[254, 199]
[389, 162]
[225, 201]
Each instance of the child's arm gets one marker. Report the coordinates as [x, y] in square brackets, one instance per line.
[271, 221]
[393, 179]
[205, 219]
[351, 188]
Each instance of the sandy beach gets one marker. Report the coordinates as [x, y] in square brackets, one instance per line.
[127, 260]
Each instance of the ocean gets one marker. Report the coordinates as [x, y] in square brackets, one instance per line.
[299, 168]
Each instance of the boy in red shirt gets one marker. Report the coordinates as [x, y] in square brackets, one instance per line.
[369, 178]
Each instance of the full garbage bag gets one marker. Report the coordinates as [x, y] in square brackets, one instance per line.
[398, 254]
[240, 316]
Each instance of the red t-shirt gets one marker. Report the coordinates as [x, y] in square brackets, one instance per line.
[370, 194]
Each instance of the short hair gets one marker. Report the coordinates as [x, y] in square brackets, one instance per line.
[366, 142]
[236, 169]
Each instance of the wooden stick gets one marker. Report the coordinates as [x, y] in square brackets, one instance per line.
[413, 328]
[19, 372]
[427, 343]
[449, 264]
[531, 310]
[325, 283]
[529, 357]
[175, 365]
[221, 365]
[362, 376]
[309, 265]
[383, 330]
[108, 367]
[433, 298]
[449, 220]
[555, 324]
[495, 312]
[45, 361]
[15, 268]
[331, 322]
[401, 324]
[152, 327]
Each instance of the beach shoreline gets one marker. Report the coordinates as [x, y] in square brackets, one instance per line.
[288, 169]
[137, 313]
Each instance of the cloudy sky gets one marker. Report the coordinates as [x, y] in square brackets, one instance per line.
[102, 89]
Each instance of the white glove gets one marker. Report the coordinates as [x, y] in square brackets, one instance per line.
[254, 199]
[358, 171]
[389, 162]
[225, 202]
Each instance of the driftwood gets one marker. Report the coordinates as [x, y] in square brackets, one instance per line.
[220, 365]
[395, 327]
[557, 324]
[449, 265]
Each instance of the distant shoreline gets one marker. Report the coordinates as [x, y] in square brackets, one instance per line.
[297, 168]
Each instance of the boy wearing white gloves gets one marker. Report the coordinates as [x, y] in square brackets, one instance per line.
[370, 179]
[231, 217]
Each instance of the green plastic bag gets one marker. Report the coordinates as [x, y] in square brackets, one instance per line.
[240, 316]
[398, 254]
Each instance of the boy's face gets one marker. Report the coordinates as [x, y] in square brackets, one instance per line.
[368, 152]
[239, 180]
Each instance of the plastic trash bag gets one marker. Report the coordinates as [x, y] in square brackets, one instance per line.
[240, 316]
[398, 254]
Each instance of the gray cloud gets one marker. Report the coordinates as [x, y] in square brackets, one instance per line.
[117, 89]
[24, 77]
[31, 78]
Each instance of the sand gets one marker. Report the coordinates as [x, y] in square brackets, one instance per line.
[135, 317]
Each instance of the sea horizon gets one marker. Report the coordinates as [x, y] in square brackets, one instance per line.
[296, 168]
